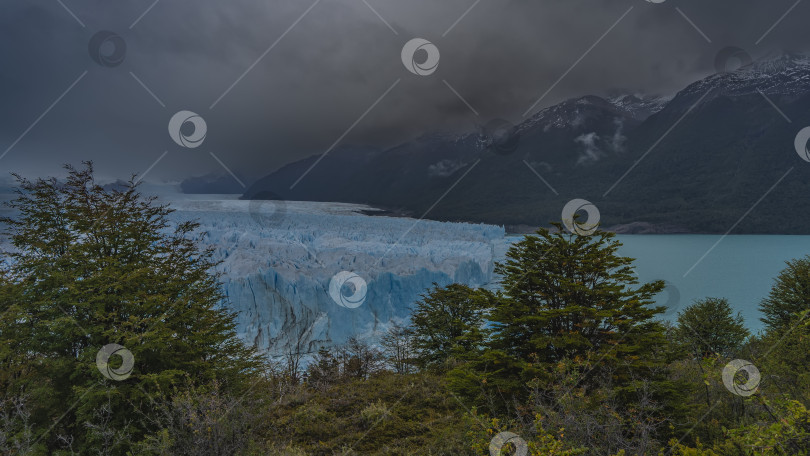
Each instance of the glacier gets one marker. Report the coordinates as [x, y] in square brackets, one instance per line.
[279, 257]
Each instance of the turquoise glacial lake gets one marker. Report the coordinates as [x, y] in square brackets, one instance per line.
[740, 268]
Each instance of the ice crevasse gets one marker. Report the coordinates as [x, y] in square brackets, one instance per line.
[278, 259]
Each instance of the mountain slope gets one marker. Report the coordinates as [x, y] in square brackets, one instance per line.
[697, 162]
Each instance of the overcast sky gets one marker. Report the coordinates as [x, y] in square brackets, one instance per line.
[329, 68]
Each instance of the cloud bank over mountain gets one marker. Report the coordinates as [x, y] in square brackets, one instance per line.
[314, 72]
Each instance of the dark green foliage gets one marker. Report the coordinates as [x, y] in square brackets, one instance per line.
[398, 348]
[709, 327]
[568, 296]
[575, 339]
[449, 322]
[784, 348]
[569, 355]
[93, 267]
[785, 356]
[324, 370]
[386, 414]
[789, 298]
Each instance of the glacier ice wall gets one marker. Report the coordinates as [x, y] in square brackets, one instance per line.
[278, 259]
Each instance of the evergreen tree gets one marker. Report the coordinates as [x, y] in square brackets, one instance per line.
[784, 349]
[92, 267]
[568, 296]
[789, 297]
[709, 327]
[449, 322]
[325, 369]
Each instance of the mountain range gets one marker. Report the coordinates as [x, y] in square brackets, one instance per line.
[716, 157]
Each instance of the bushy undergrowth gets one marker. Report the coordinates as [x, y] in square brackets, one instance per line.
[570, 358]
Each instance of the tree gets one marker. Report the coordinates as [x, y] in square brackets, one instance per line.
[570, 304]
[324, 370]
[789, 297]
[92, 267]
[360, 360]
[709, 327]
[397, 344]
[447, 322]
[205, 421]
[570, 296]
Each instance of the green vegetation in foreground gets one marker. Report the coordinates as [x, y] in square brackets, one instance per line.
[571, 356]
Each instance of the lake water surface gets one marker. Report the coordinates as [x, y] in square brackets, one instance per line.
[740, 268]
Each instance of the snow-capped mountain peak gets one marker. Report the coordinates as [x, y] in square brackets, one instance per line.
[783, 74]
[639, 105]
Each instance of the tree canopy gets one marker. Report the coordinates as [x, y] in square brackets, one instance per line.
[571, 296]
[90, 267]
[709, 327]
[789, 297]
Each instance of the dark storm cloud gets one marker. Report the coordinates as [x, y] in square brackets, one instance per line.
[329, 69]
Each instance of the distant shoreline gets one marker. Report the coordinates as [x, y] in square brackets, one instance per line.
[632, 228]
